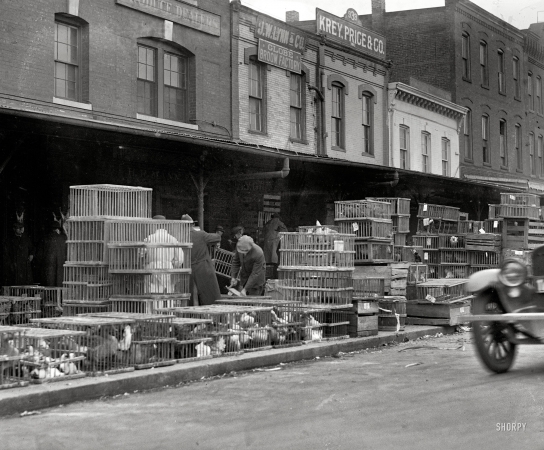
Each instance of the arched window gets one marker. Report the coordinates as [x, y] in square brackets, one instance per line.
[337, 116]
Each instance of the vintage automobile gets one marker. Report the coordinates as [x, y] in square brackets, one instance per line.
[507, 310]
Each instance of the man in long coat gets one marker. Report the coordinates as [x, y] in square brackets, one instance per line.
[202, 268]
[248, 264]
[51, 256]
[272, 230]
[17, 256]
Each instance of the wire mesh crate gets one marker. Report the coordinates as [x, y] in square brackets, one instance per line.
[107, 200]
[453, 271]
[401, 223]
[286, 324]
[484, 259]
[222, 260]
[361, 209]
[104, 342]
[70, 309]
[453, 256]
[368, 287]
[234, 329]
[154, 283]
[520, 199]
[51, 355]
[318, 229]
[144, 258]
[451, 242]
[147, 305]
[152, 341]
[368, 228]
[441, 290]
[11, 373]
[329, 287]
[407, 253]
[373, 252]
[417, 273]
[191, 343]
[438, 211]
[398, 205]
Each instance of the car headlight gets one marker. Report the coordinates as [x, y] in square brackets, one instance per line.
[513, 273]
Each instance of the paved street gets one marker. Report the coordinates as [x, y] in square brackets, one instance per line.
[424, 394]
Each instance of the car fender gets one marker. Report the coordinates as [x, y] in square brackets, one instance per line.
[483, 279]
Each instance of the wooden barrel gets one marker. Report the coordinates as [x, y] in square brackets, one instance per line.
[390, 307]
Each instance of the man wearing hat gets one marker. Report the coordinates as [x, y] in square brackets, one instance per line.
[202, 268]
[51, 256]
[237, 233]
[249, 267]
[17, 255]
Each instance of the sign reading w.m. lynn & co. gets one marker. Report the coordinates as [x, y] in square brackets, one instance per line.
[348, 32]
[178, 12]
[280, 33]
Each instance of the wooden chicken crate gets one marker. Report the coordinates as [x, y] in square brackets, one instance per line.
[483, 242]
[361, 209]
[420, 312]
[401, 223]
[398, 205]
[368, 228]
[438, 212]
[515, 211]
[373, 252]
[520, 199]
[426, 242]
[222, 260]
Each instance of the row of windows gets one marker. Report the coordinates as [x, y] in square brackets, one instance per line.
[534, 90]
[503, 145]
[404, 151]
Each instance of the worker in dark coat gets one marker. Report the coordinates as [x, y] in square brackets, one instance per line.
[17, 255]
[248, 267]
[51, 256]
[202, 268]
[272, 230]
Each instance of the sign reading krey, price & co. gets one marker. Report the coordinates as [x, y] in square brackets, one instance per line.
[347, 32]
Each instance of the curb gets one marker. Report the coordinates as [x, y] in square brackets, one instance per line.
[40, 396]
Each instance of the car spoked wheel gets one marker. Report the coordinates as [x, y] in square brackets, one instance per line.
[494, 349]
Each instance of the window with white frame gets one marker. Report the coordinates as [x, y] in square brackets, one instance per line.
[256, 96]
[367, 123]
[297, 101]
[67, 61]
[425, 152]
[446, 157]
[516, 72]
[503, 142]
[467, 130]
[484, 69]
[485, 139]
[337, 116]
[519, 149]
[465, 55]
[404, 146]
[502, 80]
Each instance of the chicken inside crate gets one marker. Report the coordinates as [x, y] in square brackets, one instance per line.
[324, 323]
[441, 290]
[52, 297]
[191, 341]
[234, 329]
[104, 344]
[11, 371]
[24, 309]
[150, 340]
[285, 330]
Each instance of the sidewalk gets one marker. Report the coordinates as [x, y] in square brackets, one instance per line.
[39, 396]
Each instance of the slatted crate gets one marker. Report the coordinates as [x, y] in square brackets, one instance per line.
[515, 211]
[70, 309]
[401, 223]
[484, 259]
[483, 242]
[426, 242]
[86, 282]
[87, 229]
[433, 271]
[148, 305]
[400, 239]
[398, 205]
[453, 271]
[417, 273]
[222, 260]
[535, 236]
[11, 372]
[52, 297]
[520, 199]
[51, 355]
[107, 200]
[392, 313]
[368, 287]
[407, 253]
[151, 232]
[234, 329]
[438, 211]
[317, 259]
[325, 323]
[454, 256]
[430, 256]
[287, 316]
[465, 226]
[441, 290]
[146, 258]
[368, 228]
[361, 209]
[373, 252]
[339, 242]
[152, 341]
[23, 309]
[86, 252]
[426, 225]
[494, 211]
[191, 343]
[318, 229]
[154, 283]
[5, 304]
[451, 242]
[5, 319]
[493, 226]
[102, 344]
[328, 287]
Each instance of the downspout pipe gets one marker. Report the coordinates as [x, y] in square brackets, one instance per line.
[266, 175]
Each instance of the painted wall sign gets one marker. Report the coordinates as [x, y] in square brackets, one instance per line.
[279, 56]
[280, 33]
[182, 13]
[357, 37]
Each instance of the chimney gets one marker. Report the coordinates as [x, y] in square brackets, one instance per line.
[292, 16]
[378, 16]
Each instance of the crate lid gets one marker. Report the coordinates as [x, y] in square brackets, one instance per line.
[128, 315]
[82, 320]
[443, 282]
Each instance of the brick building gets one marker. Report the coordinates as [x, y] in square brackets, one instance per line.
[489, 67]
